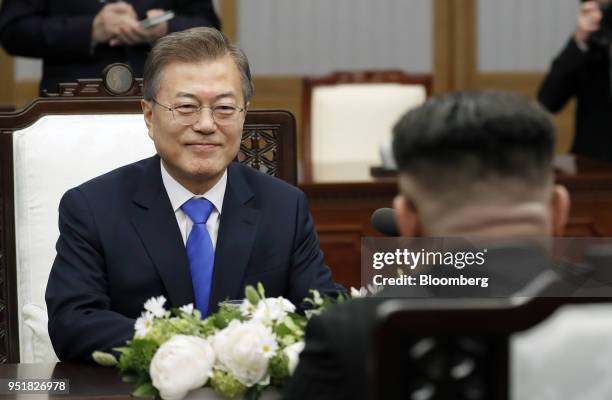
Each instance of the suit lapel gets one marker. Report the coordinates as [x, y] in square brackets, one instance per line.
[237, 231]
[155, 222]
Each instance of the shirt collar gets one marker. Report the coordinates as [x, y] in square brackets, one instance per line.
[178, 194]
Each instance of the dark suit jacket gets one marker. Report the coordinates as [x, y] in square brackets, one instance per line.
[120, 244]
[59, 32]
[334, 363]
[586, 76]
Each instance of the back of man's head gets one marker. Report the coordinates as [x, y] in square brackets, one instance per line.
[486, 152]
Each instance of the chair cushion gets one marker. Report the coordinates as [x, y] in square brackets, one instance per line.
[350, 121]
[51, 156]
[36, 346]
[565, 357]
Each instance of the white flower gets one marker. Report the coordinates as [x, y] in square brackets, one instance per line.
[374, 289]
[316, 297]
[243, 350]
[272, 309]
[181, 364]
[293, 354]
[368, 290]
[358, 293]
[156, 306]
[246, 308]
[143, 324]
[187, 309]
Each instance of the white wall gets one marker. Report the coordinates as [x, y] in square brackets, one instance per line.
[522, 35]
[303, 37]
[296, 37]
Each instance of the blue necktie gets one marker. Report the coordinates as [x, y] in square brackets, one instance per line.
[200, 251]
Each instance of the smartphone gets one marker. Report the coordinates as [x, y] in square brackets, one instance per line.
[149, 22]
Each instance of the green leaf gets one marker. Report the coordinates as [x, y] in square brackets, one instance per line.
[145, 390]
[279, 367]
[138, 357]
[251, 294]
[261, 290]
[128, 378]
[226, 385]
[121, 349]
[104, 359]
[254, 393]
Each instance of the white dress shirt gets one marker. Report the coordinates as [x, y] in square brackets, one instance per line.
[178, 195]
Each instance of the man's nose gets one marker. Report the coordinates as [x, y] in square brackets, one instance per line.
[206, 122]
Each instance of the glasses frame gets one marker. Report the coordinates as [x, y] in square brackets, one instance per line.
[198, 112]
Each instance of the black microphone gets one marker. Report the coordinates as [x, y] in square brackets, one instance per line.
[383, 221]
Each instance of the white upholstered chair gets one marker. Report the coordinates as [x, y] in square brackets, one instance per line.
[58, 143]
[347, 116]
[56, 153]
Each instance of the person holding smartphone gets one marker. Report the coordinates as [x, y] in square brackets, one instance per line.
[582, 70]
[77, 39]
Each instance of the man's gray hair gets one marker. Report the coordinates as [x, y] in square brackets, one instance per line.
[193, 45]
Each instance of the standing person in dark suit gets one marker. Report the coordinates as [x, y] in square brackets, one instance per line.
[77, 39]
[470, 165]
[583, 70]
[189, 223]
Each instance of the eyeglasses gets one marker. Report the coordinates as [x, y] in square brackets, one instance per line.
[189, 114]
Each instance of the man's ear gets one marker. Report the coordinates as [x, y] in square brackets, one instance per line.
[147, 112]
[559, 208]
[406, 217]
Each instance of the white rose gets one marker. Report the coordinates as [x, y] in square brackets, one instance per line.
[293, 354]
[243, 350]
[181, 364]
[273, 309]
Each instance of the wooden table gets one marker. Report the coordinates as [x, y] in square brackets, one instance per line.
[343, 196]
[87, 381]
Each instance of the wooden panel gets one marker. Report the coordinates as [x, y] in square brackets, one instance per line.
[443, 63]
[25, 92]
[465, 43]
[282, 92]
[341, 246]
[342, 211]
[228, 13]
[6, 78]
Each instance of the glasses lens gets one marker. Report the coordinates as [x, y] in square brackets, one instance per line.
[221, 114]
[186, 114]
[225, 113]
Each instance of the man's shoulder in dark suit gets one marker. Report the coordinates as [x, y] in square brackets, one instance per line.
[333, 364]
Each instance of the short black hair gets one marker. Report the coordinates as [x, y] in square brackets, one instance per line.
[472, 136]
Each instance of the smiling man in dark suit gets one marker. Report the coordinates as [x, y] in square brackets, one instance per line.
[188, 223]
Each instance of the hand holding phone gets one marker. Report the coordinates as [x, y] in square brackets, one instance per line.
[158, 19]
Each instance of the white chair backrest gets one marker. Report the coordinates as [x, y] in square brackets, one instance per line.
[568, 356]
[349, 122]
[54, 154]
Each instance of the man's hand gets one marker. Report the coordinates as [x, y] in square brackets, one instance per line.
[589, 19]
[156, 31]
[129, 34]
[115, 20]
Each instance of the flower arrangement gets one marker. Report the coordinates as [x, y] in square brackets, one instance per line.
[238, 351]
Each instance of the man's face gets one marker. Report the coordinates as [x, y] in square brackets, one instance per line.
[196, 155]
